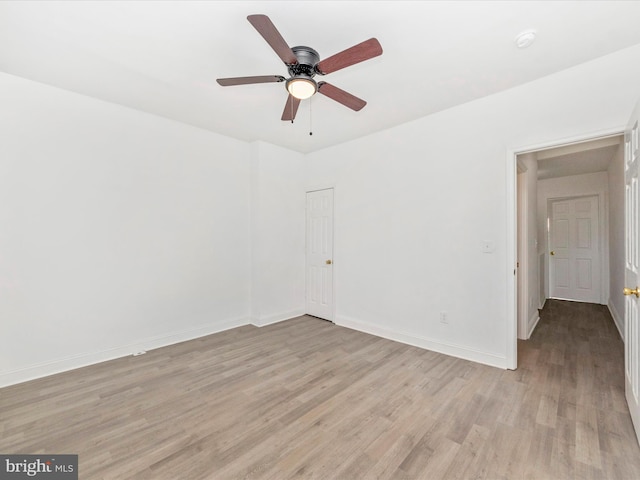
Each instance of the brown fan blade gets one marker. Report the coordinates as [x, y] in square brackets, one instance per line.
[270, 33]
[290, 108]
[227, 82]
[340, 96]
[356, 54]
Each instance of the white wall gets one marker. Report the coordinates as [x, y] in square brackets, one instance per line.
[118, 231]
[616, 238]
[415, 203]
[277, 234]
[576, 186]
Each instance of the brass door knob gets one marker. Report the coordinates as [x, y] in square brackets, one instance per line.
[629, 291]
[552, 252]
[328, 262]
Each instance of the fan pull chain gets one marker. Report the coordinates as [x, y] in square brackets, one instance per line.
[310, 130]
[291, 104]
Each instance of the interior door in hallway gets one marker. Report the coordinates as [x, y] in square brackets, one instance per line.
[574, 256]
[632, 269]
[319, 263]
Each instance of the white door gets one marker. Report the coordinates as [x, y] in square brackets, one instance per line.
[320, 254]
[574, 252]
[632, 270]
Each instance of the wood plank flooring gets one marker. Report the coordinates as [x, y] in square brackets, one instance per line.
[307, 399]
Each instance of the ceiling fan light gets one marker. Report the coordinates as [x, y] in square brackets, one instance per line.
[301, 87]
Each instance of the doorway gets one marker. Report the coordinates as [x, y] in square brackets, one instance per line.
[579, 168]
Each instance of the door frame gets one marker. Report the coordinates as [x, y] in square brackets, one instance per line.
[511, 159]
[311, 189]
[522, 260]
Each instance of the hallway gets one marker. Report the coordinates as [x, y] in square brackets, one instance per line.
[573, 366]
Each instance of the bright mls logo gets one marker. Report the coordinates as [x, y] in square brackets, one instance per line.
[45, 467]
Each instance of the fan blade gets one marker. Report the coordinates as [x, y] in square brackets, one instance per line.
[340, 96]
[356, 54]
[290, 108]
[270, 33]
[228, 82]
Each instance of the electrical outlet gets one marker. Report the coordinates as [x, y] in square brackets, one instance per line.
[444, 318]
[488, 247]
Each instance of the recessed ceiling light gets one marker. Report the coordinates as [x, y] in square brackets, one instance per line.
[525, 39]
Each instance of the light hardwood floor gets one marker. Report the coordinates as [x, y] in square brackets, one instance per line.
[307, 399]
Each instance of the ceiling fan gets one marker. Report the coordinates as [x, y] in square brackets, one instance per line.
[303, 63]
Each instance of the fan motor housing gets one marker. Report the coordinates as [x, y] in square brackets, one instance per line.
[307, 60]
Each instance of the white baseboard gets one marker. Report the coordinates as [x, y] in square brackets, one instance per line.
[278, 317]
[421, 342]
[617, 319]
[72, 362]
[532, 323]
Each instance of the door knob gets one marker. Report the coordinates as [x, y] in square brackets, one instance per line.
[629, 291]
[328, 262]
[552, 252]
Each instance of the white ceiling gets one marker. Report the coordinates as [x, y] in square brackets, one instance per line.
[576, 159]
[163, 57]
